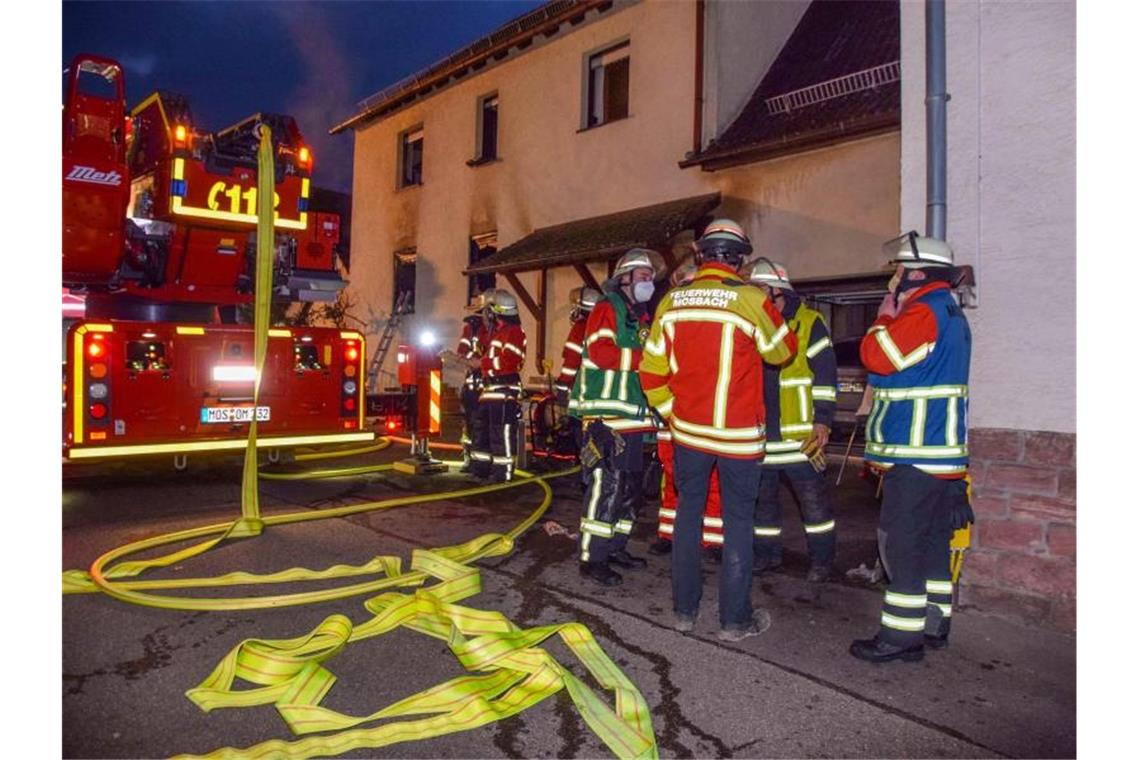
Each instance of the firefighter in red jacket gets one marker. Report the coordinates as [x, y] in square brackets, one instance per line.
[493, 451]
[712, 534]
[607, 397]
[918, 355]
[702, 372]
[472, 345]
[583, 300]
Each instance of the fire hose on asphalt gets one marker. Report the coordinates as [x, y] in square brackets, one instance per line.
[507, 671]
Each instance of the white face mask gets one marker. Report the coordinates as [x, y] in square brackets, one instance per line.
[643, 291]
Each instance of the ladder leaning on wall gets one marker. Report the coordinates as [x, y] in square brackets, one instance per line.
[398, 310]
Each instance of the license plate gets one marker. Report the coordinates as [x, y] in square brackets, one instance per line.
[212, 414]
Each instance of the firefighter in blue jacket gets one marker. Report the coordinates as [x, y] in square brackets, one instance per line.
[918, 354]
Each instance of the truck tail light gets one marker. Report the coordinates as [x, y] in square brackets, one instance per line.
[349, 404]
[98, 370]
[96, 349]
[98, 411]
[351, 352]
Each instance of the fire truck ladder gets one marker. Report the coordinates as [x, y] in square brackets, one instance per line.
[400, 309]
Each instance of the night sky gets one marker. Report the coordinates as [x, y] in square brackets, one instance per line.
[312, 60]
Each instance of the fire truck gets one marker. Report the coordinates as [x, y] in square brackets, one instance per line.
[159, 242]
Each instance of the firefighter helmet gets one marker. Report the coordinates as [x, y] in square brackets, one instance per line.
[584, 298]
[914, 251]
[683, 274]
[770, 273]
[725, 241]
[479, 301]
[503, 304]
[640, 258]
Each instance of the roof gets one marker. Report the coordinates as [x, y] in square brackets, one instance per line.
[836, 78]
[517, 33]
[599, 237]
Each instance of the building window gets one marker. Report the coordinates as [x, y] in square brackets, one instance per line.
[404, 292]
[481, 247]
[607, 85]
[487, 129]
[412, 157]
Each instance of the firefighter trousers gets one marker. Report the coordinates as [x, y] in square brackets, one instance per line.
[914, 541]
[614, 494]
[739, 482]
[712, 533]
[469, 401]
[816, 507]
[493, 449]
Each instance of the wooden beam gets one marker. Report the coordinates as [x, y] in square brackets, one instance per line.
[537, 311]
[540, 355]
[587, 276]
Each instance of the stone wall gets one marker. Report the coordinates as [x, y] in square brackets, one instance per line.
[1024, 555]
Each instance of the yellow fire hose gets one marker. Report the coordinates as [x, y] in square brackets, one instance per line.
[508, 672]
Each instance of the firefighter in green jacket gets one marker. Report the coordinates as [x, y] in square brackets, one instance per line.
[607, 397]
[799, 399]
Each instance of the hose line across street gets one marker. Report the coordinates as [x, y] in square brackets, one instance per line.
[507, 670]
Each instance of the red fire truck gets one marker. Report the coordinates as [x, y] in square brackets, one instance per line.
[159, 240]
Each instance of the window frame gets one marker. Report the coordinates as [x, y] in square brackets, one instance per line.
[402, 157]
[477, 246]
[480, 130]
[404, 257]
[620, 44]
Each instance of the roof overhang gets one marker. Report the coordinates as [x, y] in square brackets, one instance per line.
[518, 33]
[712, 160]
[599, 237]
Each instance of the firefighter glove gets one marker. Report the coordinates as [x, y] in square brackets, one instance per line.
[961, 513]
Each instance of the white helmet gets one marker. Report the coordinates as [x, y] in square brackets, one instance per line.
[770, 273]
[503, 304]
[640, 258]
[584, 299]
[915, 252]
[479, 301]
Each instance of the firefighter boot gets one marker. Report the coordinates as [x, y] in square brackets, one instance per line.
[661, 547]
[937, 635]
[623, 558]
[877, 650]
[600, 573]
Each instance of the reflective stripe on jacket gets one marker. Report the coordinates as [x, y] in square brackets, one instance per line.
[920, 366]
[571, 356]
[806, 389]
[702, 366]
[607, 386]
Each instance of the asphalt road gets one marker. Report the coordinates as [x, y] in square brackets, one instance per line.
[1002, 689]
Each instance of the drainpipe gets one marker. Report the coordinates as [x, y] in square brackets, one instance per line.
[699, 83]
[936, 99]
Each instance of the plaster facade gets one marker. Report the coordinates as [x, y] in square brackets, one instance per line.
[823, 213]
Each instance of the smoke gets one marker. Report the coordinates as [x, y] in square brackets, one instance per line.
[323, 97]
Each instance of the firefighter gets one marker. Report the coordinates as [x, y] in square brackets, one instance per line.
[799, 399]
[493, 450]
[607, 397]
[583, 300]
[712, 533]
[917, 353]
[702, 372]
[472, 345]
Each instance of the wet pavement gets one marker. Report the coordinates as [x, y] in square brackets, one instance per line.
[1001, 689]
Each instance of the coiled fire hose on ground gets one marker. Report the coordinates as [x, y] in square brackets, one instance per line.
[508, 672]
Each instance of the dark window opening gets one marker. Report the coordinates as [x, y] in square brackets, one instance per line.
[412, 158]
[481, 247]
[489, 128]
[608, 86]
[404, 296]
